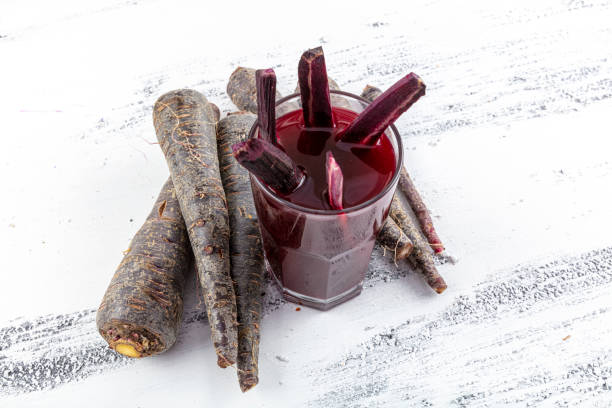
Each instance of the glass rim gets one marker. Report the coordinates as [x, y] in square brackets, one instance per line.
[383, 192]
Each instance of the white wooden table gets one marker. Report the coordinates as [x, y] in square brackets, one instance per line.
[511, 148]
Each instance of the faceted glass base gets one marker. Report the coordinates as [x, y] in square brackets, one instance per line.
[321, 304]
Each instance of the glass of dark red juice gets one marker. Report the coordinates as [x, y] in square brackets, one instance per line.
[318, 255]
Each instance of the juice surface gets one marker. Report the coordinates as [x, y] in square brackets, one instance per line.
[366, 170]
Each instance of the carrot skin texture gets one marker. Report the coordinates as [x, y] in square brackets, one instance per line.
[314, 89]
[185, 128]
[406, 186]
[143, 304]
[333, 85]
[242, 90]
[246, 254]
[384, 110]
[215, 111]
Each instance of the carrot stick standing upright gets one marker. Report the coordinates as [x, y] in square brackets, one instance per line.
[314, 89]
[185, 127]
[266, 101]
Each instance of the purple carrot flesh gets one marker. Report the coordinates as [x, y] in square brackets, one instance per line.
[421, 253]
[246, 256]
[314, 87]
[185, 127]
[412, 194]
[268, 163]
[335, 182]
[265, 80]
[372, 122]
[420, 210]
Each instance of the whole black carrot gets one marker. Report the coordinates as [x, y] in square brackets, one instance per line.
[185, 127]
[246, 256]
[421, 253]
[140, 313]
[407, 187]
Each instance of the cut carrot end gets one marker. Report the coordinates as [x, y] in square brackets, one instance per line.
[127, 350]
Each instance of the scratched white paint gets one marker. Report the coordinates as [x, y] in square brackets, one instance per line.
[510, 148]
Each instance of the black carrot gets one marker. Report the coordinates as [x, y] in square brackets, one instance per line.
[140, 313]
[185, 127]
[246, 256]
[268, 163]
[392, 237]
[333, 85]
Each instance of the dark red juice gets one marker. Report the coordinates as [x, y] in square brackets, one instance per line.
[366, 170]
[320, 259]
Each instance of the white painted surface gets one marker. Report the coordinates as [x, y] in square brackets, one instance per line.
[510, 148]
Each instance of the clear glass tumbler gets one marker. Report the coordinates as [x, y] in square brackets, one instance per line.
[319, 257]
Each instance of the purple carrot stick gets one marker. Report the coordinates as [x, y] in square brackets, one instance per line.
[266, 100]
[407, 187]
[314, 88]
[269, 163]
[335, 182]
[372, 122]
